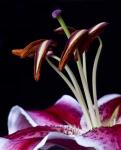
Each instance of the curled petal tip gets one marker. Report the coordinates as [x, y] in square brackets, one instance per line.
[56, 13]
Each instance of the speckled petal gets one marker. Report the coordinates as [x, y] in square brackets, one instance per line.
[38, 137]
[103, 138]
[107, 105]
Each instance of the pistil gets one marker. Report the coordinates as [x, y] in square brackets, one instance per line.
[57, 15]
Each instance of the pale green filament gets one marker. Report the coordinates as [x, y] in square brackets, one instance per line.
[94, 72]
[62, 76]
[86, 91]
[76, 89]
[84, 65]
[72, 77]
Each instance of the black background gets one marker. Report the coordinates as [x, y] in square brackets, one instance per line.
[24, 21]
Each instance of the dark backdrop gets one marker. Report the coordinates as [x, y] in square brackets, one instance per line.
[24, 21]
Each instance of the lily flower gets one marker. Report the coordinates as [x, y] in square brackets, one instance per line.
[80, 123]
[62, 125]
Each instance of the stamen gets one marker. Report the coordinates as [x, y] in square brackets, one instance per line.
[87, 93]
[28, 50]
[40, 56]
[62, 76]
[84, 83]
[40, 53]
[71, 46]
[76, 89]
[94, 72]
[84, 65]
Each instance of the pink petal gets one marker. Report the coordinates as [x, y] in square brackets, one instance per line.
[61, 140]
[6, 144]
[38, 137]
[65, 111]
[37, 143]
[35, 132]
[19, 119]
[107, 105]
[104, 138]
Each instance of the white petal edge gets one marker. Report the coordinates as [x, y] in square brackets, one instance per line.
[70, 100]
[50, 136]
[14, 113]
[3, 143]
[107, 98]
[88, 143]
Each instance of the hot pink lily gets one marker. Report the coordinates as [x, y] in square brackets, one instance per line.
[62, 124]
[70, 123]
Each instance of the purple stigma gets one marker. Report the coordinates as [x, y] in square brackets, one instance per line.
[56, 13]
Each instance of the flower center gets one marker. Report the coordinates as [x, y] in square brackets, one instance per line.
[90, 109]
[70, 130]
